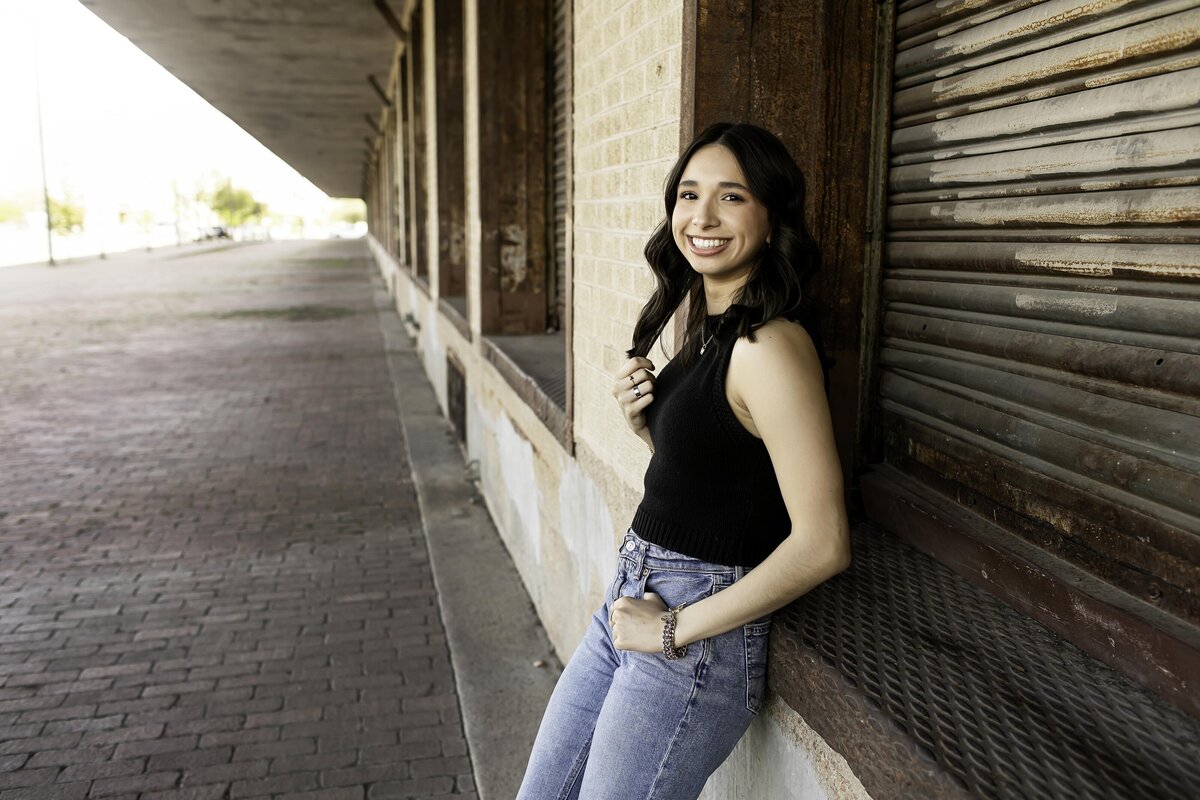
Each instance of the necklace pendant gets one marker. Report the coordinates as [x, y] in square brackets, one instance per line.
[702, 348]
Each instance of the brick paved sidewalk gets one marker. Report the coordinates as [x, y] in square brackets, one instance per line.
[213, 579]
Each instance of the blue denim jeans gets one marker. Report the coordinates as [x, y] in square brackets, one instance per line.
[623, 725]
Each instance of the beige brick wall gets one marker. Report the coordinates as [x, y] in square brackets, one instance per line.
[627, 78]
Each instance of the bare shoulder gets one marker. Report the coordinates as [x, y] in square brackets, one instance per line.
[780, 343]
[782, 356]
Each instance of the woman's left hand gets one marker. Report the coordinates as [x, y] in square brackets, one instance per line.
[636, 625]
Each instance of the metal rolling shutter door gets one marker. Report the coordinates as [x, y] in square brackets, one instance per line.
[1040, 359]
[560, 122]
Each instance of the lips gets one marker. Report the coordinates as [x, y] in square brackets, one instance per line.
[706, 245]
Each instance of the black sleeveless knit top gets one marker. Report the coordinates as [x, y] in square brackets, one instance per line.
[711, 492]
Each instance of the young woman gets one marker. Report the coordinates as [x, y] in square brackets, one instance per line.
[743, 508]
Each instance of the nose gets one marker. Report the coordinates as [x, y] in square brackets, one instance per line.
[703, 216]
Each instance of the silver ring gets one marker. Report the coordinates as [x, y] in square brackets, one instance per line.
[637, 390]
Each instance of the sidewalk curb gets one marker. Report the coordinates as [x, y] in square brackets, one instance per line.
[492, 629]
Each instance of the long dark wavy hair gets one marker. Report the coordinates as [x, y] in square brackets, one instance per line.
[775, 286]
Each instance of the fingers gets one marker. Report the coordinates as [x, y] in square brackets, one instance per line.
[617, 606]
[634, 363]
[643, 367]
[633, 407]
[634, 622]
[642, 379]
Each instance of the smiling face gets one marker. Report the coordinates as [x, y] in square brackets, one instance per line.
[718, 225]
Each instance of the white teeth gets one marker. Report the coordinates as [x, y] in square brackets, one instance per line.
[706, 244]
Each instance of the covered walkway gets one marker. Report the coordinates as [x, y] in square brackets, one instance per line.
[214, 580]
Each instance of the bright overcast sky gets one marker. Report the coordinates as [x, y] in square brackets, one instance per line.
[118, 127]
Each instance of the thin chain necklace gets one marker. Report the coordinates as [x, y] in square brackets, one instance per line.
[717, 327]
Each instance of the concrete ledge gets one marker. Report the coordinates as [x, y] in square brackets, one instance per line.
[493, 631]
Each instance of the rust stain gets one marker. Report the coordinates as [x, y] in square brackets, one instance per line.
[1179, 63]
[1145, 207]
[1141, 150]
[1125, 45]
[1171, 92]
[1039, 25]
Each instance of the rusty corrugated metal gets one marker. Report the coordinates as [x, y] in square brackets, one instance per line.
[1169, 100]
[1072, 258]
[920, 21]
[1154, 47]
[1045, 25]
[1041, 353]
[1162, 158]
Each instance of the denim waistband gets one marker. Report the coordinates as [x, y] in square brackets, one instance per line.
[642, 553]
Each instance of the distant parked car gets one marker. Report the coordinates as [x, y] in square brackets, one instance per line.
[214, 233]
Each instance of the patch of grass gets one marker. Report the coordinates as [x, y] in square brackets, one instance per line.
[288, 313]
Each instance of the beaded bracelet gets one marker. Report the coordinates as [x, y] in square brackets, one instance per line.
[670, 651]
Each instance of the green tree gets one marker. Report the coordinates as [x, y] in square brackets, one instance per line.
[12, 211]
[350, 210]
[66, 216]
[235, 206]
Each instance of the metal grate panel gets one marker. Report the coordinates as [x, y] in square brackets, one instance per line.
[998, 701]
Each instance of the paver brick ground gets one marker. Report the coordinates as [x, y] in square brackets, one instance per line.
[213, 578]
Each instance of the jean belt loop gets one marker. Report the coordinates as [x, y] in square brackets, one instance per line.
[739, 572]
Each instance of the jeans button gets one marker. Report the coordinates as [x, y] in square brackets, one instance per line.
[629, 545]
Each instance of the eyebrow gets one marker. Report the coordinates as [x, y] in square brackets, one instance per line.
[722, 185]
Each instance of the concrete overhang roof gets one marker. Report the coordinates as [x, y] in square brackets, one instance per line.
[292, 73]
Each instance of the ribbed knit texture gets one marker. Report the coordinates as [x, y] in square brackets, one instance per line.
[711, 492]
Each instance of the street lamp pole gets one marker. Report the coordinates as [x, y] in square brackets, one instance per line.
[37, 88]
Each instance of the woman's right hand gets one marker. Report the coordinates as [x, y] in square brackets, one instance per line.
[634, 390]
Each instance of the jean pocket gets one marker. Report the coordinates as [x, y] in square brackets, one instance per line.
[758, 642]
[676, 587]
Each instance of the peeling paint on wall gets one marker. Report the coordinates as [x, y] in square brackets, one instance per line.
[514, 258]
[1088, 306]
[515, 464]
[458, 243]
[433, 351]
[764, 764]
[586, 527]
